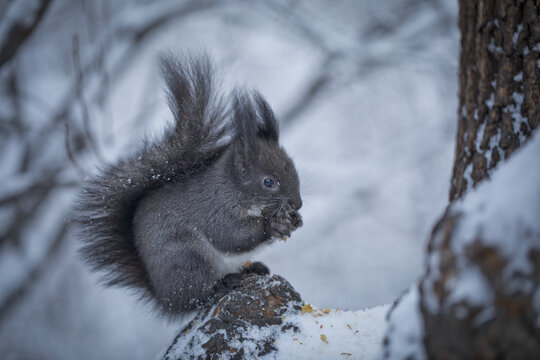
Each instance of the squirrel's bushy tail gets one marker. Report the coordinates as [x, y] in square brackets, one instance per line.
[196, 139]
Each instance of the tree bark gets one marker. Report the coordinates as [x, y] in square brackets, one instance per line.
[479, 297]
[499, 85]
[499, 109]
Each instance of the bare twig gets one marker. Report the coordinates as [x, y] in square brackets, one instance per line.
[26, 201]
[135, 38]
[82, 103]
[69, 152]
[19, 32]
[315, 87]
[35, 274]
[30, 190]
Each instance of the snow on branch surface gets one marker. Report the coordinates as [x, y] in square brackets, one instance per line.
[480, 296]
[266, 318]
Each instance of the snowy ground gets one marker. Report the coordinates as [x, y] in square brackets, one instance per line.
[374, 151]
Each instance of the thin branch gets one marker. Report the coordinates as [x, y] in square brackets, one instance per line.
[136, 38]
[314, 88]
[19, 32]
[30, 190]
[69, 152]
[82, 103]
[34, 275]
[26, 201]
[288, 16]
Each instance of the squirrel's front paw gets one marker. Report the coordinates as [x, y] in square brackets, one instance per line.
[282, 225]
[228, 283]
[257, 268]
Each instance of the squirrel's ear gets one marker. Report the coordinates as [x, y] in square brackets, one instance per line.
[253, 118]
[268, 127]
[245, 124]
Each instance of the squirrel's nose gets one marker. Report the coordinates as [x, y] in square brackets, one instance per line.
[296, 204]
[296, 219]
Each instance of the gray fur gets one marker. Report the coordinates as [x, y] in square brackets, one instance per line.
[176, 217]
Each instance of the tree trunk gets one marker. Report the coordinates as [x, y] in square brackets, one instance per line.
[480, 295]
[499, 85]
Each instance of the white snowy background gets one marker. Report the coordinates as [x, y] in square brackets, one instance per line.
[367, 95]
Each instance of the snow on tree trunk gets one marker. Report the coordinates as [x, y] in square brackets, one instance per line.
[480, 297]
[499, 85]
[480, 294]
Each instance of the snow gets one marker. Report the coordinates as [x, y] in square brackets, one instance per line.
[480, 136]
[405, 329]
[467, 174]
[323, 334]
[506, 220]
[515, 37]
[491, 101]
[333, 334]
[470, 285]
[498, 215]
[515, 111]
[494, 49]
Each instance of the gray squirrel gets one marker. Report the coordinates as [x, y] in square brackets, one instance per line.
[179, 219]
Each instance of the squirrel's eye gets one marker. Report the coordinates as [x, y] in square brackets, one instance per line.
[269, 182]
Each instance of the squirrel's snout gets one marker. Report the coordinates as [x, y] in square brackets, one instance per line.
[296, 204]
[294, 217]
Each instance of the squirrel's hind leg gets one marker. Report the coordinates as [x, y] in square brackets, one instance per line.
[182, 280]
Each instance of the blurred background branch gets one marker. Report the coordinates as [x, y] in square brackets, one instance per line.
[17, 30]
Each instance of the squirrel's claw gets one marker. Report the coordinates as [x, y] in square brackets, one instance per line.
[280, 229]
[228, 283]
[258, 268]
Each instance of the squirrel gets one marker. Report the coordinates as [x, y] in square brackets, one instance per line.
[179, 219]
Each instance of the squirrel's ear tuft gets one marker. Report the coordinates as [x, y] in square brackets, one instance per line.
[253, 118]
[268, 127]
[244, 121]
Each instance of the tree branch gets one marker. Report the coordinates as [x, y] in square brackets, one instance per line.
[19, 32]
